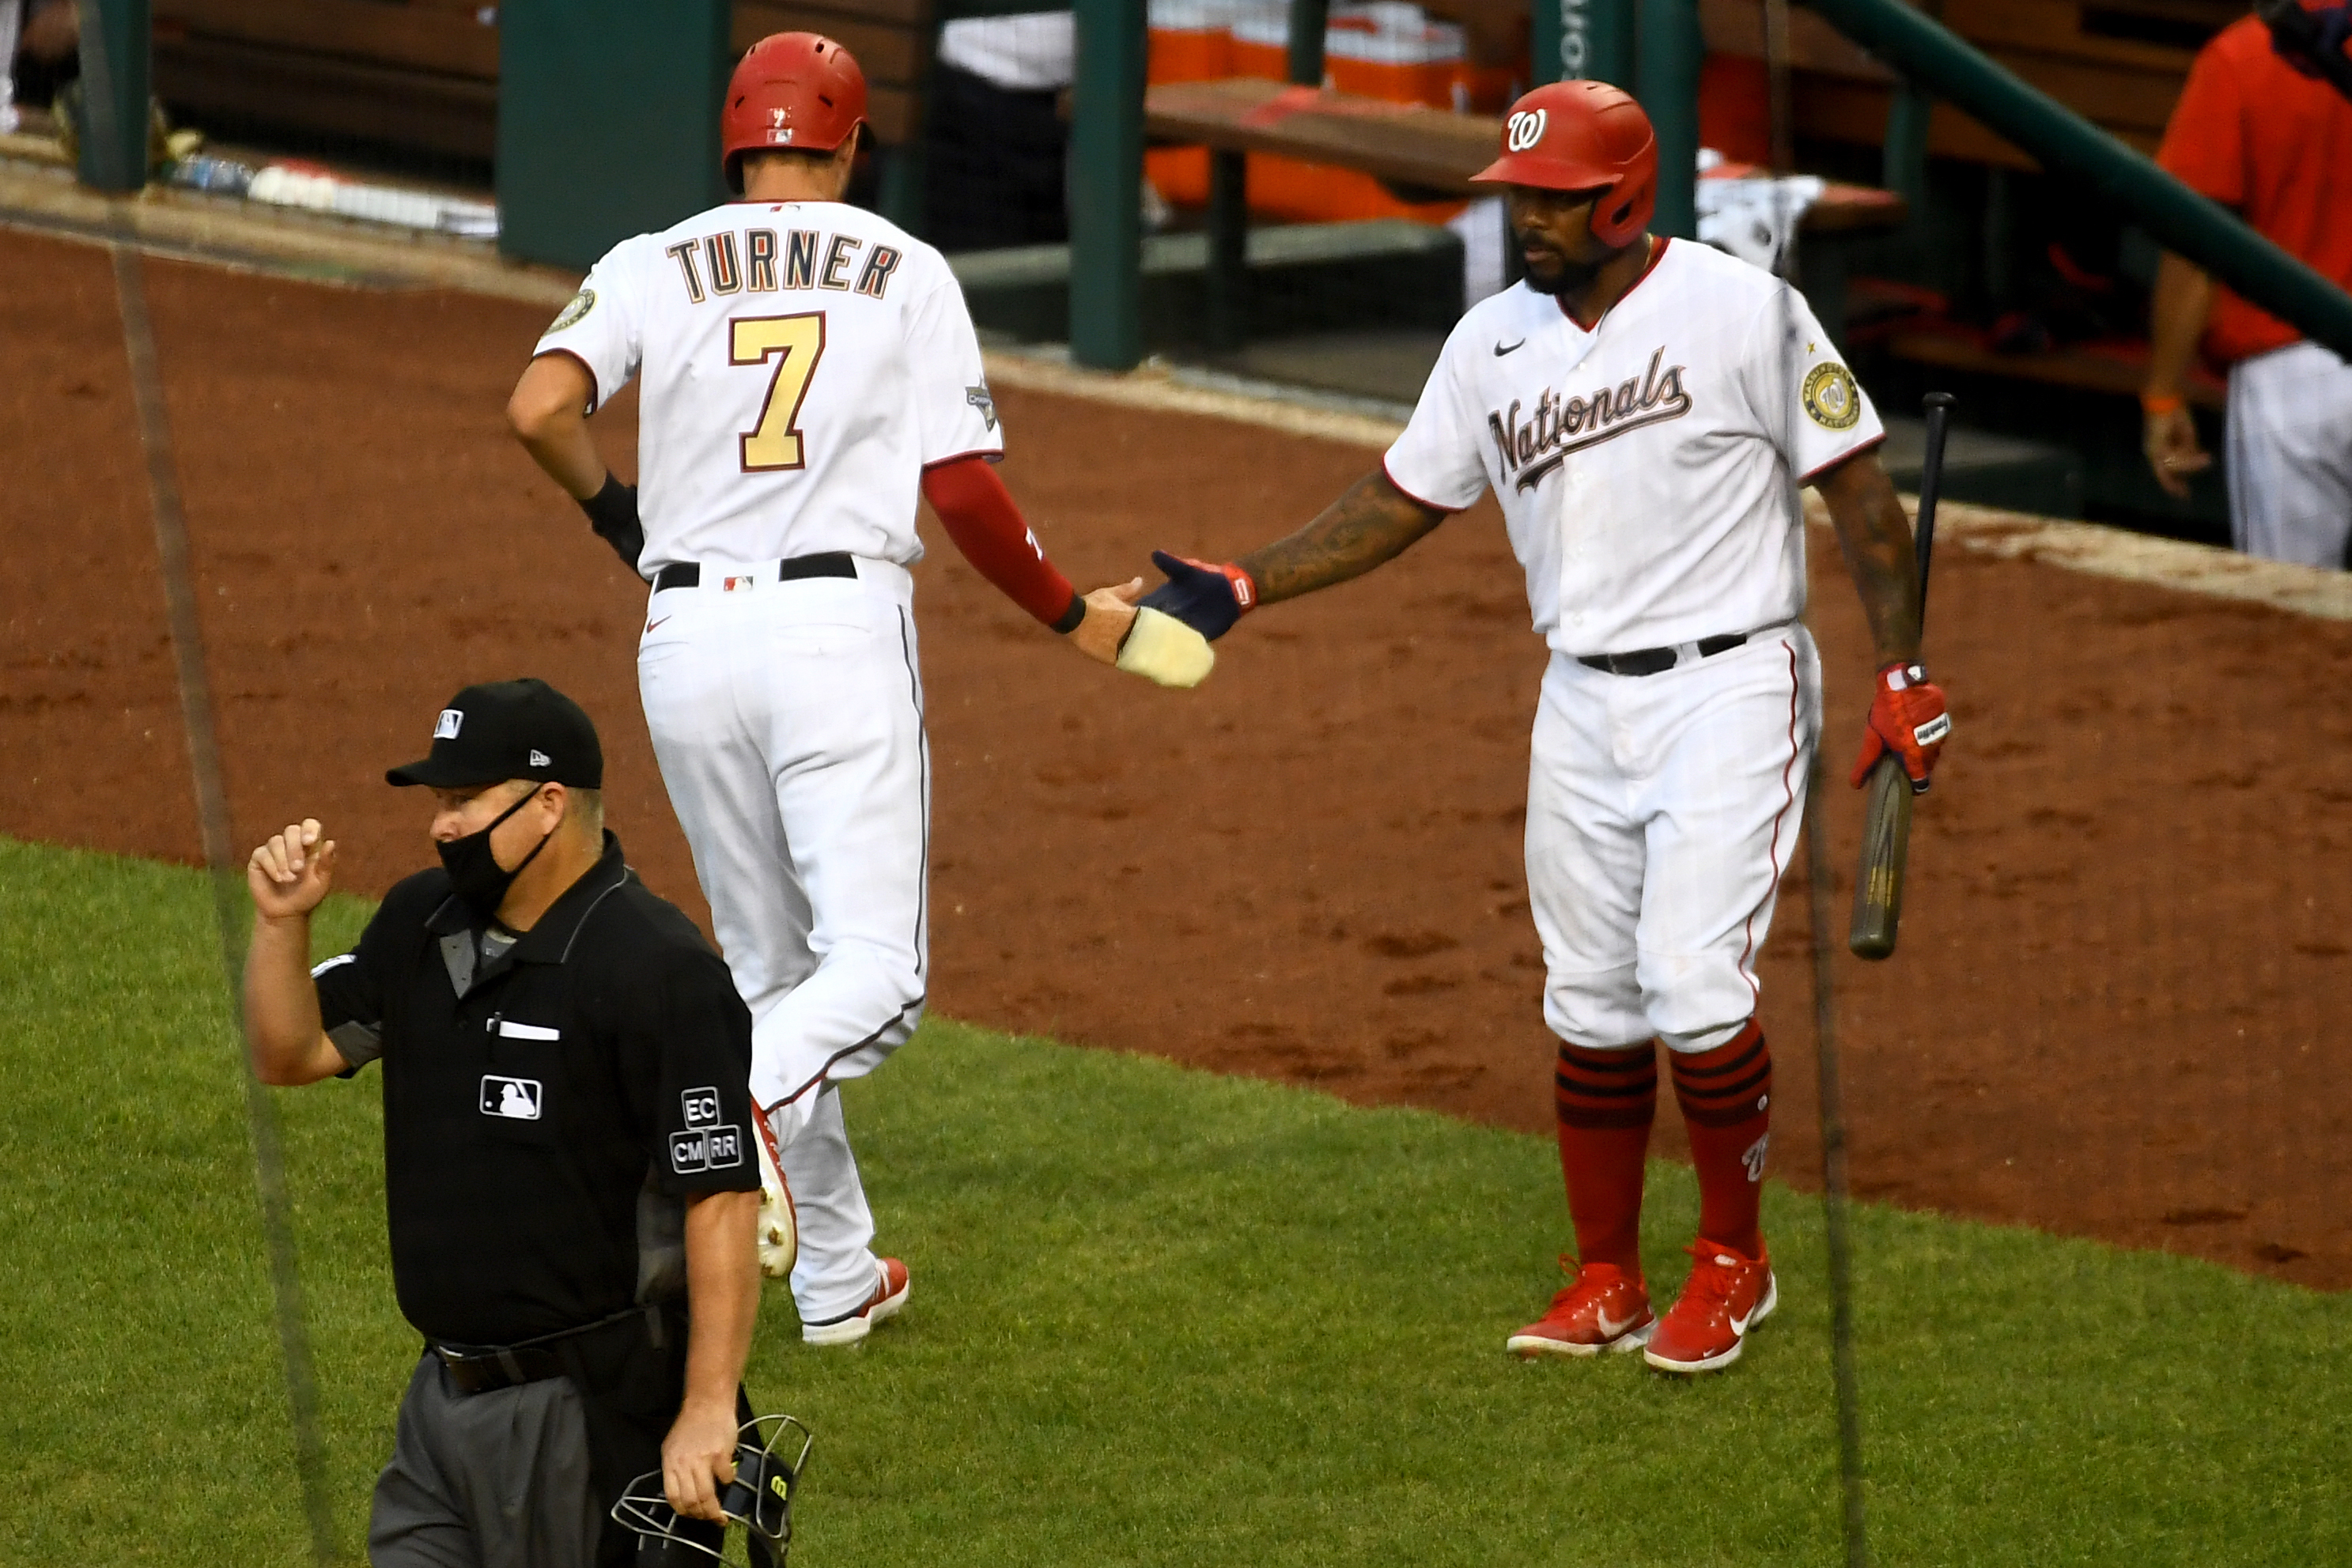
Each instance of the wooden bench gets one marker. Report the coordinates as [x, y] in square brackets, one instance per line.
[1430, 153]
[2118, 372]
[420, 76]
[423, 74]
[2120, 64]
[2117, 63]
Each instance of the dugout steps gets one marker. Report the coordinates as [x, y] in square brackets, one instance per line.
[1302, 277]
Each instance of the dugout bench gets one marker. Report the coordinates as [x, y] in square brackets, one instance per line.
[2120, 64]
[1431, 153]
[423, 74]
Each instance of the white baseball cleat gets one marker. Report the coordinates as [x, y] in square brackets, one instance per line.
[889, 1294]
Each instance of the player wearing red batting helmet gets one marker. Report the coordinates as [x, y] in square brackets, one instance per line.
[810, 372]
[1584, 136]
[1645, 411]
[796, 91]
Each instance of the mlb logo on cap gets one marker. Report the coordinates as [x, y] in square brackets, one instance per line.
[508, 729]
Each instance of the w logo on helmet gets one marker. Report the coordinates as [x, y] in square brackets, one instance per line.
[1525, 129]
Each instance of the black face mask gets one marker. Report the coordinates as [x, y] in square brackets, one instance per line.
[474, 873]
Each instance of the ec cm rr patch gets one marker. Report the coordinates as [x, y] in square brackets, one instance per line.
[582, 303]
[1832, 400]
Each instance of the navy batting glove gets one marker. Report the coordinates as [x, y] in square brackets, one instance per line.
[613, 513]
[1209, 599]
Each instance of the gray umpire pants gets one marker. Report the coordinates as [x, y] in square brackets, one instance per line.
[486, 1480]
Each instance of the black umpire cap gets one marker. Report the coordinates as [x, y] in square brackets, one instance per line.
[508, 729]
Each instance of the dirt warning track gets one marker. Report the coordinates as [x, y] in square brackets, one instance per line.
[2124, 965]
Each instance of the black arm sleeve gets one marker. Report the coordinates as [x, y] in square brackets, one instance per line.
[613, 513]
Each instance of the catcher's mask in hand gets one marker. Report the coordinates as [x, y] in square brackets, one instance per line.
[771, 1452]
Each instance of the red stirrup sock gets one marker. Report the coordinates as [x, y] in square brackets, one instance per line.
[1725, 1096]
[1604, 1101]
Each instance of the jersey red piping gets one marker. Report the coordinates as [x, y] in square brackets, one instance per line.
[1409, 496]
[596, 401]
[993, 454]
[1850, 454]
[1657, 256]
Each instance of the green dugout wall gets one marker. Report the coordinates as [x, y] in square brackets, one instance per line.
[608, 121]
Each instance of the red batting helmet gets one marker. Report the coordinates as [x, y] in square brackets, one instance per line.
[1584, 136]
[797, 90]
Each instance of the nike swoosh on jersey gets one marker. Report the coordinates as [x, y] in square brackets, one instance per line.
[1500, 351]
[663, 622]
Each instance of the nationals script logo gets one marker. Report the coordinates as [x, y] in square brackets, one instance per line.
[1531, 448]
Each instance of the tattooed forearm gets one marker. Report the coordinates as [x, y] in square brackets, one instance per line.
[1875, 537]
[1373, 522]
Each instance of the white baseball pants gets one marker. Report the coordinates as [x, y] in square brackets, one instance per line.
[788, 720]
[1662, 810]
[2288, 455]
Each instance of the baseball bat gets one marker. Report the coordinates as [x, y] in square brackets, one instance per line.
[1887, 815]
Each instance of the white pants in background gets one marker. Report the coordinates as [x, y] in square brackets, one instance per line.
[1662, 810]
[12, 20]
[2289, 456]
[788, 720]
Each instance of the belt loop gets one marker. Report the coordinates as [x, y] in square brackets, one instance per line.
[511, 1366]
[654, 1324]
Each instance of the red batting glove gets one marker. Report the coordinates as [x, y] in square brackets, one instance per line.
[1908, 718]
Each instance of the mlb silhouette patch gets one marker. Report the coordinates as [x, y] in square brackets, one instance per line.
[514, 1098]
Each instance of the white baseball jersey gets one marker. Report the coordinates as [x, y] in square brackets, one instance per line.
[1644, 466]
[804, 362]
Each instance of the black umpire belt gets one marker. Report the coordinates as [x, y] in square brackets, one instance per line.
[832, 564]
[479, 1369]
[1653, 661]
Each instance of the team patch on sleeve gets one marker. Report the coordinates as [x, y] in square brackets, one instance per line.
[1832, 400]
[980, 398]
[582, 303]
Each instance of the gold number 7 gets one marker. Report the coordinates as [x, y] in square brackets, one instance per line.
[795, 343]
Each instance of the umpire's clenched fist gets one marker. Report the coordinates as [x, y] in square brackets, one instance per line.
[291, 873]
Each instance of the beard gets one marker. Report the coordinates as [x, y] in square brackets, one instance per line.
[1567, 276]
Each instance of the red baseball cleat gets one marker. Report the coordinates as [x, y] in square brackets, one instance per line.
[1725, 1295]
[1603, 1308]
[889, 1296]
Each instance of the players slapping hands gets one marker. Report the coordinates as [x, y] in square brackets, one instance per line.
[1644, 409]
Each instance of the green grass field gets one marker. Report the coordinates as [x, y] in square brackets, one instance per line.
[1159, 1317]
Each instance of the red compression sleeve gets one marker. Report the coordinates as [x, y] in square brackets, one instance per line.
[986, 526]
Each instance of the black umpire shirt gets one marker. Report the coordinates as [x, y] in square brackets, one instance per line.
[549, 1102]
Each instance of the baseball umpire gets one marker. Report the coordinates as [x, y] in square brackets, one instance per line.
[568, 1177]
[809, 370]
[1644, 409]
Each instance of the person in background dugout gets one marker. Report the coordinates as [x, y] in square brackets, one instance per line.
[2270, 139]
[40, 43]
[997, 148]
[569, 1185]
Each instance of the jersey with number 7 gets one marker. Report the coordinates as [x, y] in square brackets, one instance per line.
[808, 370]
[803, 363]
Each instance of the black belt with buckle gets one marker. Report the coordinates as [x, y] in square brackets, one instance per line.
[831, 563]
[1653, 661]
[480, 1369]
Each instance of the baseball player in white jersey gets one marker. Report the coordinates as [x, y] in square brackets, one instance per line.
[1645, 411]
[807, 367]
